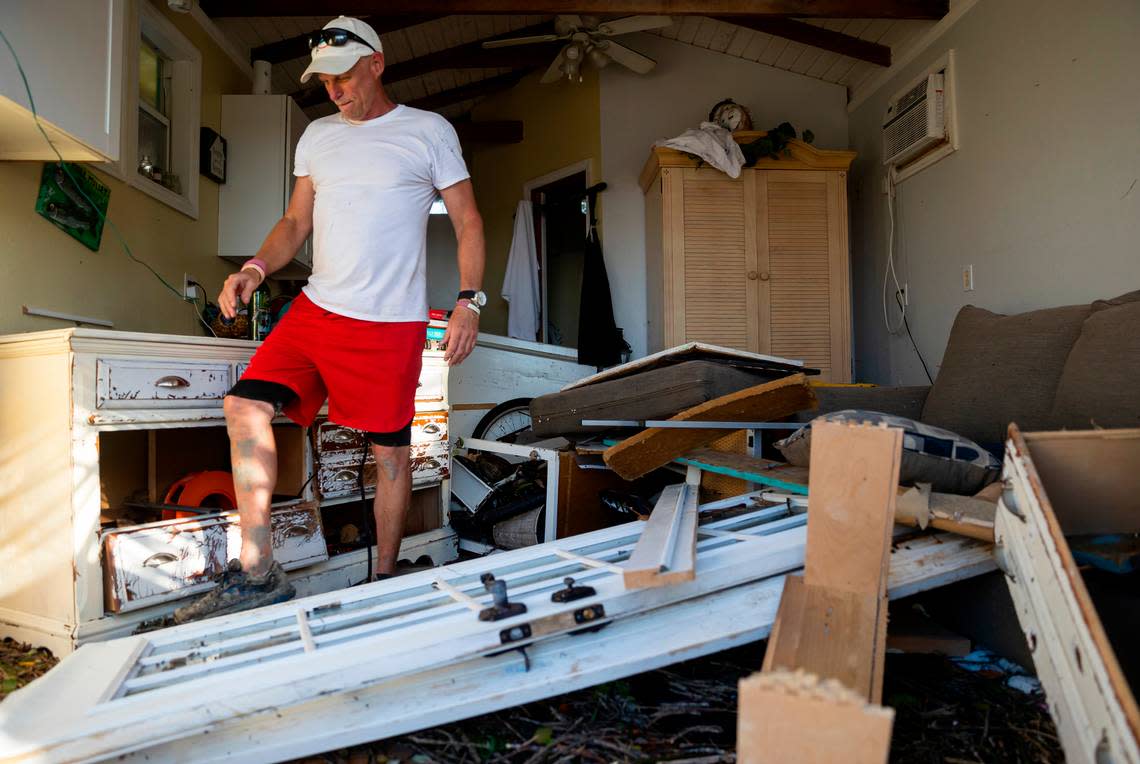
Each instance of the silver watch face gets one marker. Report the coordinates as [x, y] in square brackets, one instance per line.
[480, 298]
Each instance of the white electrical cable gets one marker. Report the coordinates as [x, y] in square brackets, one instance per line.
[889, 269]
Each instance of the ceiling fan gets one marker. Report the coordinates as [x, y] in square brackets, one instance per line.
[587, 40]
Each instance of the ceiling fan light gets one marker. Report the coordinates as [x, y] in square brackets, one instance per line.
[597, 57]
[573, 52]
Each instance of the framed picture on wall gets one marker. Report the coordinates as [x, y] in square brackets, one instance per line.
[212, 155]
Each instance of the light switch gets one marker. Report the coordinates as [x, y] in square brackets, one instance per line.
[968, 278]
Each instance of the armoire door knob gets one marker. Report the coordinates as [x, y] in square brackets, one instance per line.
[751, 275]
[764, 276]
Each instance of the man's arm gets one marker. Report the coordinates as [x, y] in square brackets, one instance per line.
[463, 328]
[279, 247]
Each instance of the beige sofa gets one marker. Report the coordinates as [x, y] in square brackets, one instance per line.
[1074, 367]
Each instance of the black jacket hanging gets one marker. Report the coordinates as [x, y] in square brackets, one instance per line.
[600, 342]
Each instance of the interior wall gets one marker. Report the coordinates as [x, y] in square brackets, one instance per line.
[43, 267]
[637, 110]
[1042, 197]
[442, 267]
[560, 128]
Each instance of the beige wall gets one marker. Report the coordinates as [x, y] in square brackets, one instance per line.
[560, 128]
[1042, 197]
[43, 267]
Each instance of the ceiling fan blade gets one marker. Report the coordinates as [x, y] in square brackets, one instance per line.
[573, 20]
[522, 40]
[628, 57]
[553, 73]
[633, 24]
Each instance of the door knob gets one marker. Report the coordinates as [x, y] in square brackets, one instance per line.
[764, 276]
[751, 275]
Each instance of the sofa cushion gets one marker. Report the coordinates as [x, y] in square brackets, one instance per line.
[999, 369]
[949, 462]
[1100, 385]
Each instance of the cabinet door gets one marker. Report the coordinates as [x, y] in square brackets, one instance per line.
[802, 260]
[714, 277]
[72, 53]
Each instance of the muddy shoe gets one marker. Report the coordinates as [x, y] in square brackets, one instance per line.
[236, 590]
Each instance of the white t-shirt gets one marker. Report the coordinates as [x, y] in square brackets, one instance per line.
[375, 182]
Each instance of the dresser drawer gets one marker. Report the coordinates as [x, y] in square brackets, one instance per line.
[333, 440]
[123, 383]
[338, 475]
[167, 560]
[430, 463]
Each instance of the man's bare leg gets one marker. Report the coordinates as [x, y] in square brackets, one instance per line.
[393, 494]
[253, 456]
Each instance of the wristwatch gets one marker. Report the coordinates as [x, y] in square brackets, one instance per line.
[477, 297]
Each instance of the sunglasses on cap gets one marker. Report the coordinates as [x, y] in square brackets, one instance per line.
[336, 38]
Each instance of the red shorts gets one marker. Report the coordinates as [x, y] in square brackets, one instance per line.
[368, 370]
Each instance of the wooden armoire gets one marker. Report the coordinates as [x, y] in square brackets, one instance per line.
[758, 262]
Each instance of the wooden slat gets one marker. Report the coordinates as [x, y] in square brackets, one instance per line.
[666, 552]
[898, 9]
[786, 477]
[298, 45]
[656, 447]
[828, 632]
[832, 621]
[793, 717]
[818, 37]
[853, 485]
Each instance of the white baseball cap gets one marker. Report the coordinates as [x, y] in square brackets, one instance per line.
[336, 54]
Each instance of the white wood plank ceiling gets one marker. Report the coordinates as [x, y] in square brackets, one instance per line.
[418, 40]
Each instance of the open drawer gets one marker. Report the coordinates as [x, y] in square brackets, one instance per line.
[161, 561]
[1066, 491]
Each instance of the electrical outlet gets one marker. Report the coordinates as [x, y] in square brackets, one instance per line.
[189, 290]
[968, 278]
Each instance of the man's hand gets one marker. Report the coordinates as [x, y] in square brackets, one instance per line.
[462, 331]
[238, 284]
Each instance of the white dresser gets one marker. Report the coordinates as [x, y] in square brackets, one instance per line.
[94, 423]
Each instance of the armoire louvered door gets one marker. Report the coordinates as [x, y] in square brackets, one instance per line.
[758, 262]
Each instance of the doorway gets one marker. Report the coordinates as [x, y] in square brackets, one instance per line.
[560, 234]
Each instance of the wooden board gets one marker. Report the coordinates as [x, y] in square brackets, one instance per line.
[795, 717]
[853, 485]
[827, 632]
[666, 552]
[832, 621]
[656, 447]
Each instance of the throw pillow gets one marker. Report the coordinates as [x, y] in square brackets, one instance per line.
[1000, 369]
[949, 462]
[1100, 386]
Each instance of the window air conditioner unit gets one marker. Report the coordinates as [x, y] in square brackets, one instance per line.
[915, 121]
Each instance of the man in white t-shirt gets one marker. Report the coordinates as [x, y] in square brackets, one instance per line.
[366, 178]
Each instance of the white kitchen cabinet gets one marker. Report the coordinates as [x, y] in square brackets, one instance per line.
[72, 54]
[261, 133]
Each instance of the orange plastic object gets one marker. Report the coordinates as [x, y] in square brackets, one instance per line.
[195, 488]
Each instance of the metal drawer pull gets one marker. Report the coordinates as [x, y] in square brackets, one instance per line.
[172, 381]
[159, 558]
[344, 475]
[431, 428]
[343, 436]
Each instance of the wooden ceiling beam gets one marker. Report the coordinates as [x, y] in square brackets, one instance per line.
[489, 86]
[844, 9]
[298, 46]
[467, 56]
[817, 37]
